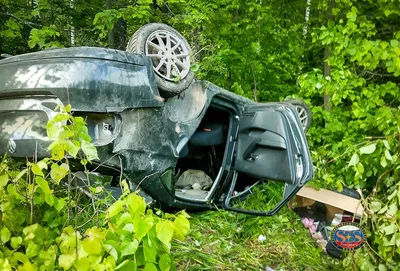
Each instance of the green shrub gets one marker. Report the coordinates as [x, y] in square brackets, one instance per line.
[47, 224]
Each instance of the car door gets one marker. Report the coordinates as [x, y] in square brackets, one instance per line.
[270, 146]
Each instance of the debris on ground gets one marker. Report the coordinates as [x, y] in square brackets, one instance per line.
[321, 210]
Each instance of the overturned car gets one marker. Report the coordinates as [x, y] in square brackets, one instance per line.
[187, 144]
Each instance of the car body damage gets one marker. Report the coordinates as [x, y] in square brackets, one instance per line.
[137, 133]
[90, 79]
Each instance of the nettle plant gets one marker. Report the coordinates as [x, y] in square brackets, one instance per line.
[46, 224]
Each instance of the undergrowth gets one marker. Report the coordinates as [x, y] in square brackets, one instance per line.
[222, 240]
[46, 224]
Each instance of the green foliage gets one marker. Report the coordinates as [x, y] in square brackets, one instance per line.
[41, 225]
[356, 144]
[44, 38]
[105, 20]
[255, 49]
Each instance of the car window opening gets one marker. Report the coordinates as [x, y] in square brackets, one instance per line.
[200, 161]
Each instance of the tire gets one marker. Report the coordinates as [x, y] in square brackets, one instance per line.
[147, 39]
[304, 112]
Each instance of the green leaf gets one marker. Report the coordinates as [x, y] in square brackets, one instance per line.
[5, 234]
[92, 243]
[195, 67]
[392, 209]
[115, 208]
[20, 174]
[57, 172]
[125, 217]
[57, 152]
[18, 256]
[37, 170]
[92, 246]
[59, 204]
[383, 209]
[32, 249]
[127, 265]
[61, 117]
[16, 242]
[3, 180]
[354, 160]
[165, 232]
[386, 143]
[164, 262]
[31, 229]
[182, 227]
[73, 148]
[52, 129]
[375, 206]
[89, 150]
[383, 161]
[50, 199]
[368, 149]
[382, 267]
[388, 155]
[398, 240]
[42, 165]
[391, 196]
[43, 184]
[390, 229]
[150, 267]
[67, 134]
[128, 227]
[394, 43]
[136, 204]
[67, 108]
[318, 85]
[111, 250]
[149, 252]
[129, 247]
[142, 227]
[66, 261]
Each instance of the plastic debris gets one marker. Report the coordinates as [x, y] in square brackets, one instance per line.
[261, 238]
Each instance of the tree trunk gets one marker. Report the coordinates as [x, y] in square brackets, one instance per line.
[306, 18]
[72, 29]
[327, 72]
[327, 53]
[255, 92]
[119, 33]
[111, 43]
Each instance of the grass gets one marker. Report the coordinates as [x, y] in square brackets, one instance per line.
[222, 240]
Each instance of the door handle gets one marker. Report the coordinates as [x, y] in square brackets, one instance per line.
[249, 155]
[249, 152]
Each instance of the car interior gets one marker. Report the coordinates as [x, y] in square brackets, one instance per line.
[200, 163]
[200, 160]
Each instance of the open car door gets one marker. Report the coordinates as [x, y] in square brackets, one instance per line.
[271, 146]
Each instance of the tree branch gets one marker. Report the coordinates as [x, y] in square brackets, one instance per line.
[28, 23]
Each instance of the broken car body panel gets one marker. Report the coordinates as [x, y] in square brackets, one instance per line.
[133, 129]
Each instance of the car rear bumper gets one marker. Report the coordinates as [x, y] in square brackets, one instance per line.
[23, 122]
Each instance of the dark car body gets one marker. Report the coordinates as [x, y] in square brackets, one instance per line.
[146, 137]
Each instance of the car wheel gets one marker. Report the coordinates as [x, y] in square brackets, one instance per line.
[170, 53]
[304, 112]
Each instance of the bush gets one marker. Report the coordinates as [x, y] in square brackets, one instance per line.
[47, 224]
